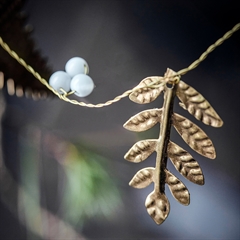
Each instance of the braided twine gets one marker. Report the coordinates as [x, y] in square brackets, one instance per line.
[154, 84]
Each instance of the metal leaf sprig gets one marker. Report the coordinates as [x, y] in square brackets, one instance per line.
[157, 204]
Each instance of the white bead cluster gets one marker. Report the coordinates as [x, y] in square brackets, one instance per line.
[74, 78]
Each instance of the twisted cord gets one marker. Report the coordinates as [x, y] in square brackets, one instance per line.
[209, 50]
[154, 84]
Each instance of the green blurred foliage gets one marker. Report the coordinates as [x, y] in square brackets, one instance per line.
[89, 190]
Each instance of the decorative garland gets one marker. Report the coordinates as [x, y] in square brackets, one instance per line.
[145, 92]
[158, 81]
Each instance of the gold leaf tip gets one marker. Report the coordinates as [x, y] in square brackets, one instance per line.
[157, 206]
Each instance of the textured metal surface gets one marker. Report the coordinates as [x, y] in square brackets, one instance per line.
[197, 105]
[157, 206]
[157, 203]
[143, 178]
[185, 164]
[141, 150]
[194, 136]
[177, 188]
[147, 94]
[143, 120]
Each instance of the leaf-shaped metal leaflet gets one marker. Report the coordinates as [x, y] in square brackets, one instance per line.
[197, 105]
[177, 188]
[194, 136]
[143, 120]
[141, 150]
[185, 163]
[146, 94]
[157, 206]
[142, 178]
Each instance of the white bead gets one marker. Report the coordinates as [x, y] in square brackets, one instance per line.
[60, 79]
[76, 66]
[82, 85]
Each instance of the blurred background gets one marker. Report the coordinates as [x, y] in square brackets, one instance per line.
[63, 175]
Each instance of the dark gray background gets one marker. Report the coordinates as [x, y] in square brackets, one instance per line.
[124, 42]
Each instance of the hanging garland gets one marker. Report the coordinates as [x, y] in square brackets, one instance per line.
[147, 91]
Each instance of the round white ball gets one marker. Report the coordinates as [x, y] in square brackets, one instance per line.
[82, 85]
[76, 66]
[60, 79]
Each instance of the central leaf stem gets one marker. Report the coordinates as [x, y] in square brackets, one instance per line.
[164, 135]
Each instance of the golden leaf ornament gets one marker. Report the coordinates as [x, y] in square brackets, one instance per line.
[197, 105]
[143, 120]
[142, 178]
[157, 203]
[146, 94]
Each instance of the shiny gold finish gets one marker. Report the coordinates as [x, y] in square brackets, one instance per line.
[157, 203]
[194, 136]
[144, 120]
[157, 206]
[197, 105]
[141, 150]
[161, 160]
[146, 94]
[177, 188]
[185, 163]
[143, 178]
